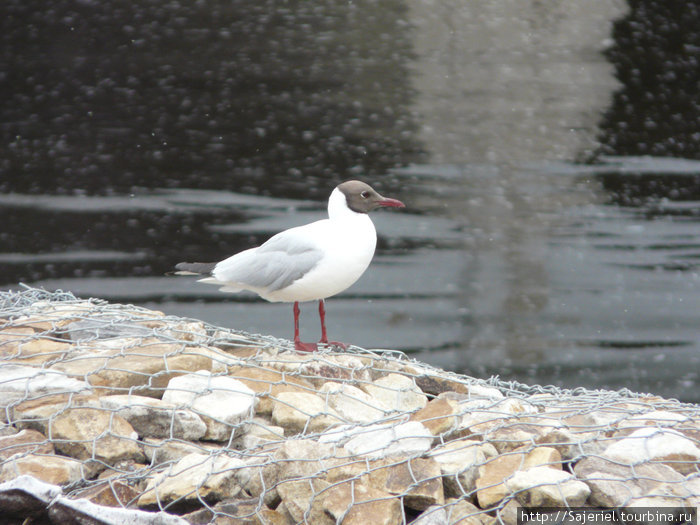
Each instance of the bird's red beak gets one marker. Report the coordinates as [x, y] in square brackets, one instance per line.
[393, 203]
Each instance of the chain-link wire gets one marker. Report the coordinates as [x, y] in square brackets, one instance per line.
[124, 409]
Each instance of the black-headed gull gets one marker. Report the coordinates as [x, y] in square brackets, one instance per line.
[306, 263]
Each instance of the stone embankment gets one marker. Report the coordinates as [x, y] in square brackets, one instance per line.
[118, 414]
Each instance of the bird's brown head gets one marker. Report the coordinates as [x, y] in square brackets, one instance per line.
[362, 198]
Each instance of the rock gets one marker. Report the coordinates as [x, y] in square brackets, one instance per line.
[303, 412]
[613, 485]
[377, 441]
[259, 477]
[359, 504]
[35, 413]
[490, 484]
[435, 382]
[25, 347]
[268, 384]
[562, 439]
[508, 513]
[396, 393]
[416, 481]
[26, 497]
[258, 432]
[460, 511]
[24, 382]
[479, 415]
[192, 331]
[654, 444]
[104, 327]
[305, 458]
[156, 418]
[25, 442]
[111, 493]
[91, 434]
[351, 403]
[318, 368]
[655, 418]
[547, 487]
[512, 436]
[196, 476]
[65, 510]
[163, 451]
[302, 499]
[145, 367]
[228, 512]
[459, 463]
[57, 470]
[222, 402]
[434, 515]
[438, 416]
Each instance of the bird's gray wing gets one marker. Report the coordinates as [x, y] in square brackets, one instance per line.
[276, 264]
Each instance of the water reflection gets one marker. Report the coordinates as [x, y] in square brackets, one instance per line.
[136, 136]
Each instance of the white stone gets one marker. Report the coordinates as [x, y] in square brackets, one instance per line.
[545, 486]
[78, 509]
[459, 463]
[155, 418]
[18, 381]
[396, 392]
[44, 492]
[351, 403]
[342, 433]
[194, 476]
[488, 392]
[657, 418]
[655, 444]
[378, 441]
[222, 402]
[168, 450]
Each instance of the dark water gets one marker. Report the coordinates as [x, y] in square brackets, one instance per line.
[546, 154]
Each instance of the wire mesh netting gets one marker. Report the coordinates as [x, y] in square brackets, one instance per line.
[116, 413]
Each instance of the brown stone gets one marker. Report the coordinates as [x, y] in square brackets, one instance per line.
[89, 433]
[462, 512]
[359, 504]
[438, 416]
[112, 494]
[23, 346]
[268, 384]
[302, 499]
[434, 384]
[418, 481]
[490, 484]
[303, 412]
[28, 414]
[150, 366]
[26, 441]
[57, 470]
[228, 512]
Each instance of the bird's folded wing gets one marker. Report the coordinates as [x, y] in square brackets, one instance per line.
[273, 266]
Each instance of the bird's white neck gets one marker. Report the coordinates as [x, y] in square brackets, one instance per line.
[338, 207]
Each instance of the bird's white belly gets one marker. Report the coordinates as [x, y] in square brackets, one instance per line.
[347, 257]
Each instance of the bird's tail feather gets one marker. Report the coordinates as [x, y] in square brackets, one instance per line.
[196, 268]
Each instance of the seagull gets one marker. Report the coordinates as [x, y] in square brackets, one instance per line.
[306, 263]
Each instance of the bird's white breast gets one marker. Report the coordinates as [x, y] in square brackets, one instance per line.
[348, 242]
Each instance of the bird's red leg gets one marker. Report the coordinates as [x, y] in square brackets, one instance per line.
[324, 335]
[298, 345]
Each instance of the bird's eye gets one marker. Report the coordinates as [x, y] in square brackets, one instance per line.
[364, 194]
